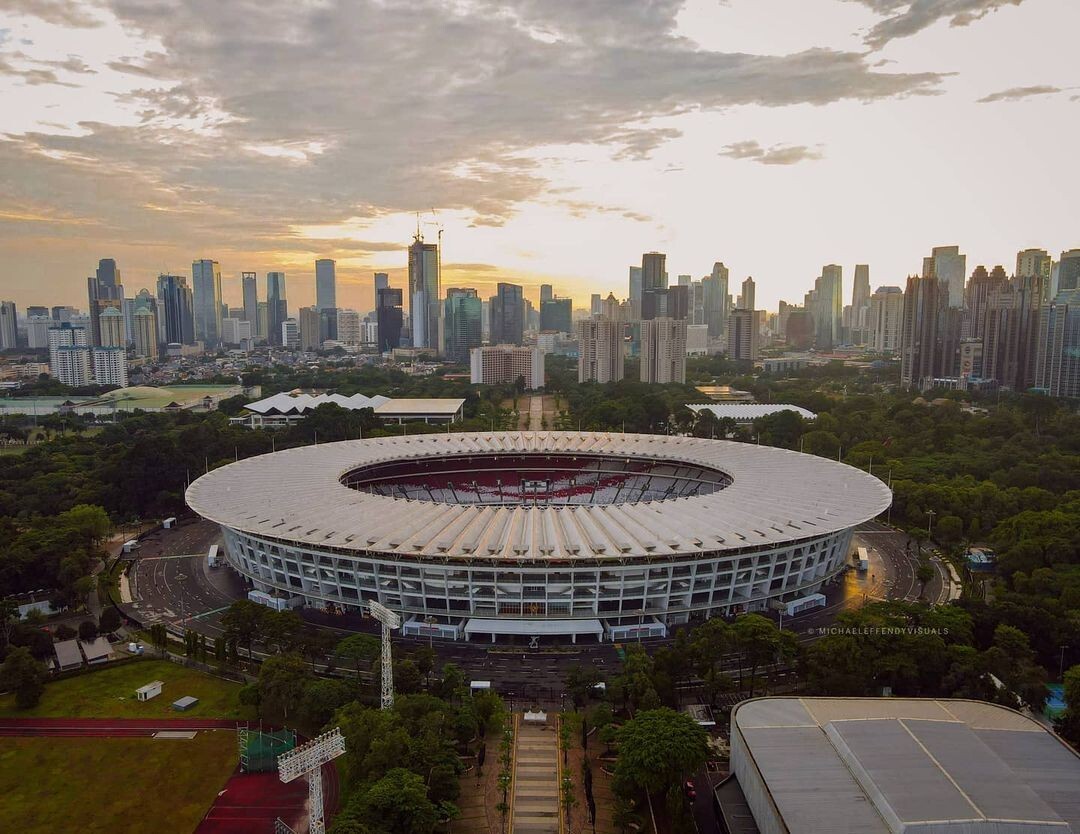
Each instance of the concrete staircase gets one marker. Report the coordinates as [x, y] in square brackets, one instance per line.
[535, 808]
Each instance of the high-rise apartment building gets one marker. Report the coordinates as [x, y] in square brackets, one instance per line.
[949, 267]
[145, 336]
[749, 294]
[507, 315]
[505, 364]
[1058, 347]
[980, 287]
[9, 326]
[250, 285]
[310, 329]
[277, 307]
[389, 317]
[600, 350]
[110, 366]
[206, 290]
[381, 281]
[425, 293]
[290, 334]
[884, 319]
[546, 293]
[860, 304]
[326, 284]
[670, 302]
[349, 331]
[236, 332]
[112, 329]
[69, 355]
[663, 350]
[37, 331]
[742, 335]
[462, 326]
[929, 335]
[175, 298]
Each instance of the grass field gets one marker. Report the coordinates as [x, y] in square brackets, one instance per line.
[112, 785]
[110, 693]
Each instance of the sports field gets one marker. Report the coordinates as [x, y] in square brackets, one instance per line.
[110, 693]
[112, 785]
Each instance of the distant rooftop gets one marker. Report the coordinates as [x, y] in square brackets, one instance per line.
[899, 765]
[745, 412]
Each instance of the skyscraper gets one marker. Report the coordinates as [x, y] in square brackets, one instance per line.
[595, 305]
[653, 280]
[388, 317]
[1058, 353]
[663, 350]
[742, 335]
[950, 268]
[716, 300]
[462, 326]
[980, 287]
[310, 329]
[175, 296]
[250, 286]
[112, 329]
[749, 294]
[600, 350]
[104, 290]
[925, 301]
[635, 292]
[69, 355]
[557, 314]
[145, 335]
[8, 326]
[425, 293]
[206, 288]
[507, 315]
[1069, 270]
[860, 304]
[277, 306]
[828, 305]
[884, 319]
[546, 293]
[325, 284]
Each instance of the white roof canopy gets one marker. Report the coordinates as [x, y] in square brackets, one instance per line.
[533, 628]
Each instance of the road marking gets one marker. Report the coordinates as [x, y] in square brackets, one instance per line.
[209, 613]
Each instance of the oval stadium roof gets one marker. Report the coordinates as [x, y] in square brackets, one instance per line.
[776, 496]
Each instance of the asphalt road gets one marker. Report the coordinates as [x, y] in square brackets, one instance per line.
[171, 583]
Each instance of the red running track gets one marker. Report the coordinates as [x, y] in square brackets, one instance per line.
[248, 804]
[109, 727]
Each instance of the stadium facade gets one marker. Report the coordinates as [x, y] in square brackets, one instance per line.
[539, 533]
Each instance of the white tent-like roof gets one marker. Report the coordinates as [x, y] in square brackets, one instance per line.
[775, 496]
[745, 412]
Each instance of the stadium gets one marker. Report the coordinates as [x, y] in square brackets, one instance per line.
[521, 535]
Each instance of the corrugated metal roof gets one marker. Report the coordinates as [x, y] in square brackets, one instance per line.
[915, 764]
[775, 496]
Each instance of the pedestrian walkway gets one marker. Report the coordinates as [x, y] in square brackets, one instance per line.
[535, 808]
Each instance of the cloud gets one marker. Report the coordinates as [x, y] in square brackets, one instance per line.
[774, 155]
[909, 17]
[1019, 93]
[408, 105]
[61, 12]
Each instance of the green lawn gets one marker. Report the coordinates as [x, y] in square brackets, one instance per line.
[110, 693]
[112, 785]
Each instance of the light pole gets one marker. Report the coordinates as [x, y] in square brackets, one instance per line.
[429, 621]
[929, 522]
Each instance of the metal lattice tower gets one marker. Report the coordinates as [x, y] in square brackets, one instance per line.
[389, 621]
[307, 760]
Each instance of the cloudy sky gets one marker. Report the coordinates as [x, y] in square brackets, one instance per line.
[553, 140]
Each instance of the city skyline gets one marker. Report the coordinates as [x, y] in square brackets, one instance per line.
[724, 150]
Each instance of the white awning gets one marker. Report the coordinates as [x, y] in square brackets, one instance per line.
[530, 628]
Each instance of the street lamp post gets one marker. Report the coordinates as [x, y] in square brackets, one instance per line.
[929, 522]
[429, 621]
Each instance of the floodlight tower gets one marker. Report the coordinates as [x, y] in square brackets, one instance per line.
[307, 760]
[389, 621]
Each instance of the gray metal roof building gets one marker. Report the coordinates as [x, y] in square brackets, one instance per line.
[865, 765]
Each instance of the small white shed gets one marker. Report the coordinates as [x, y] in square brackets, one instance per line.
[151, 690]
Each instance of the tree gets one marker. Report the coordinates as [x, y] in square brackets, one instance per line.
[23, 674]
[282, 681]
[321, 699]
[65, 632]
[243, 622]
[451, 682]
[88, 630]
[398, 804]
[658, 748]
[281, 630]
[358, 650]
[581, 684]
[159, 637]
[110, 620]
[924, 573]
